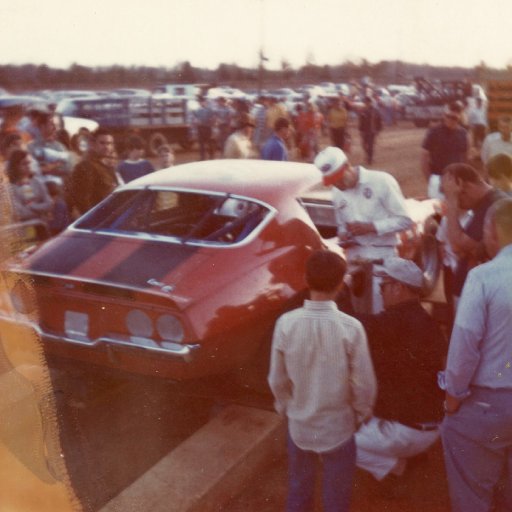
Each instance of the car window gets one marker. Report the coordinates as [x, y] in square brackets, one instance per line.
[189, 216]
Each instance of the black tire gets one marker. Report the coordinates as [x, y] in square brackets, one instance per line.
[155, 140]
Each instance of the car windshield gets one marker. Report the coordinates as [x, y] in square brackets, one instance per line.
[186, 215]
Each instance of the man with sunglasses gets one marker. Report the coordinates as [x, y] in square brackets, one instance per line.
[407, 349]
[444, 144]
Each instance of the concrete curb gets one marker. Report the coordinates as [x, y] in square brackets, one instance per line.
[210, 467]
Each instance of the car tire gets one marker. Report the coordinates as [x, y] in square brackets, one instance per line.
[156, 140]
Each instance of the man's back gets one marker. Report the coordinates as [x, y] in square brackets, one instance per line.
[407, 349]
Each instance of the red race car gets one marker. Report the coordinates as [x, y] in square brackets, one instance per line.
[181, 273]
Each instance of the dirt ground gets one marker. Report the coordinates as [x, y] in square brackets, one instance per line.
[423, 488]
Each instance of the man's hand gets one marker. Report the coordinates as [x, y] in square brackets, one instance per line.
[451, 404]
[451, 188]
[361, 228]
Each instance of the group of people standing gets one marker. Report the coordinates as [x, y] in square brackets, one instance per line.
[367, 390]
[52, 180]
[241, 130]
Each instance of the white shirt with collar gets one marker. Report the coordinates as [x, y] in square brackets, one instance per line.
[494, 145]
[321, 375]
[376, 198]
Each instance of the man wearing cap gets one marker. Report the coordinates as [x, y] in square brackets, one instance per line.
[239, 143]
[407, 349]
[275, 146]
[443, 145]
[369, 207]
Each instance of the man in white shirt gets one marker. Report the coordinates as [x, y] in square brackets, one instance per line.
[239, 143]
[477, 119]
[323, 381]
[369, 207]
[498, 142]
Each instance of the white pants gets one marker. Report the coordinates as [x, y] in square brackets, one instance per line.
[382, 444]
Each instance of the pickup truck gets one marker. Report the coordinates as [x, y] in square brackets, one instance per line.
[159, 119]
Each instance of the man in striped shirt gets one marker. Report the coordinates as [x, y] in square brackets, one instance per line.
[323, 381]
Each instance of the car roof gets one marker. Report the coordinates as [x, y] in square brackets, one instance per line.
[260, 179]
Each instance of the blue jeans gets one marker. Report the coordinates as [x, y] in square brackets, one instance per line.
[477, 443]
[338, 474]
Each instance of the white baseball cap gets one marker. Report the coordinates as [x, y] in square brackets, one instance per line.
[332, 162]
[400, 269]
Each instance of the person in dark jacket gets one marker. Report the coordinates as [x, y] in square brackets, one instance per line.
[92, 180]
[407, 349]
[370, 124]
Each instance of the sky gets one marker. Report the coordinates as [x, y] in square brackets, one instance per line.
[208, 32]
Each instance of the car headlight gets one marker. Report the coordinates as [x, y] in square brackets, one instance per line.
[169, 328]
[139, 324]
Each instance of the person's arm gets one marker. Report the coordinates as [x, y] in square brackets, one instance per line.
[363, 382]
[461, 243]
[396, 218]
[278, 380]
[465, 343]
[43, 202]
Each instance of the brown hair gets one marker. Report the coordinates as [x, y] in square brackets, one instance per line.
[325, 271]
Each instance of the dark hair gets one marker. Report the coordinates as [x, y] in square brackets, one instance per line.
[463, 172]
[100, 132]
[13, 166]
[325, 271]
[135, 142]
[280, 123]
[500, 165]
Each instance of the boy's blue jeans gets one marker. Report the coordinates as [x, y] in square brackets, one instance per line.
[337, 477]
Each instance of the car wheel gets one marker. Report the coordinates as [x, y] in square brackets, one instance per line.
[156, 140]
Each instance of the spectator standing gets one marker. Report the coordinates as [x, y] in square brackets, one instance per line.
[370, 125]
[444, 144]
[499, 170]
[369, 207]
[239, 143]
[498, 142]
[323, 382]
[52, 156]
[204, 120]
[261, 131]
[275, 147]
[134, 166]
[165, 156]
[407, 349]
[477, 118]
[224, 115]
[28, 193]
[477, 429]
[465, 189]
[337, 117]
[92, 179]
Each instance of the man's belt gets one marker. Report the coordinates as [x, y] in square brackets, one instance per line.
[423, 427]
